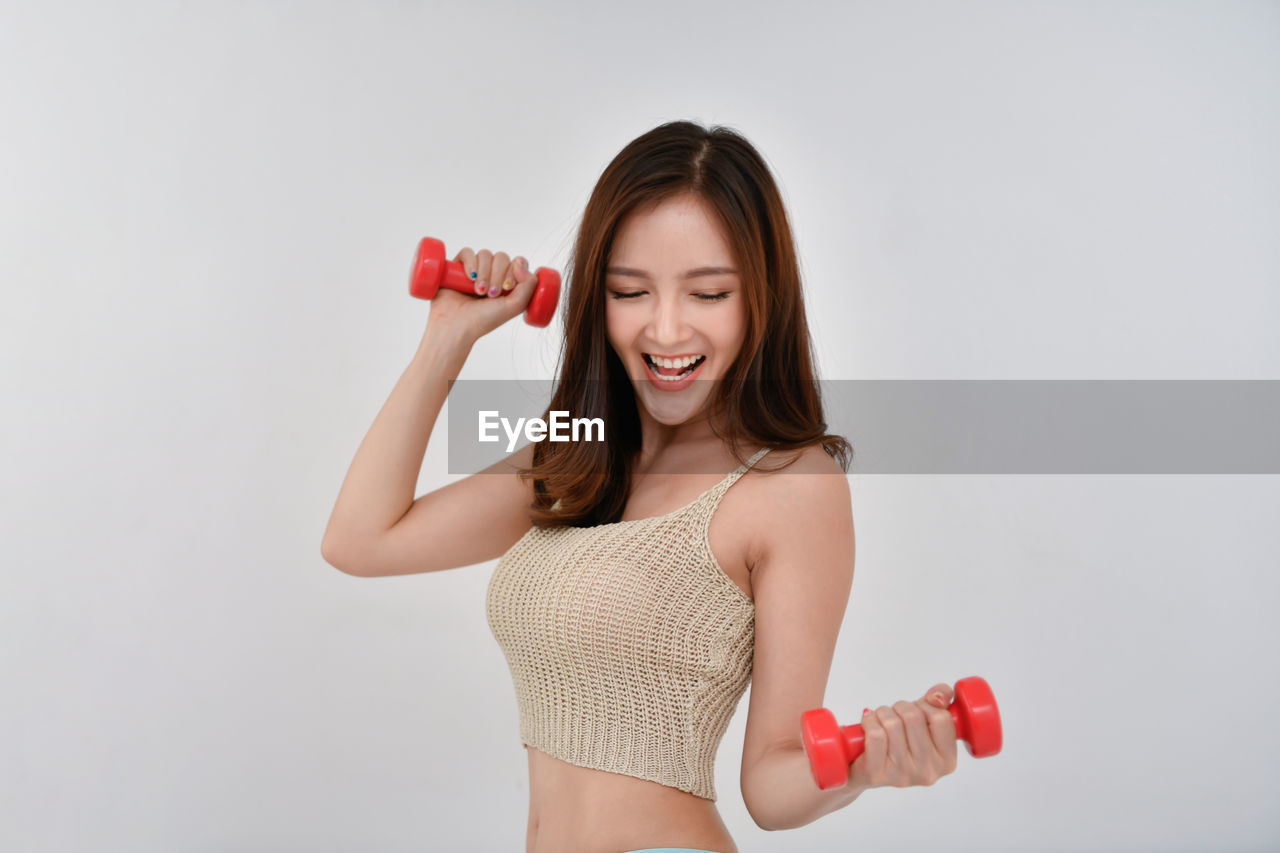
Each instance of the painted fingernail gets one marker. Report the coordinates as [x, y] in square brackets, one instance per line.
[508, 284]
[866, 711]
[481, 287]
[495, 290]
[472, 274]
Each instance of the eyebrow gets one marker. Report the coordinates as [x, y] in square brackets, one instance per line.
[694, 273]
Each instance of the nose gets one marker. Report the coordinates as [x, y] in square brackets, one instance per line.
[666, 323]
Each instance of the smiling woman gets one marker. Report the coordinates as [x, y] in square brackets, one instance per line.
[645, 580]
[632, 629]
[685, 288]
[654, 318]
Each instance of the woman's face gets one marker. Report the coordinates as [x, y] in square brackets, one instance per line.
[674, 306]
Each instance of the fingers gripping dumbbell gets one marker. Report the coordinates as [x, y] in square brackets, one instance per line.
[431, 272]
[832, 748]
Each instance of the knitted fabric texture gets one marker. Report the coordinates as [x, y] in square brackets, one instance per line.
[628, 644]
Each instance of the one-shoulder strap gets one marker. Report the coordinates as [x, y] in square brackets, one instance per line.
[711, 498]
[756, 457]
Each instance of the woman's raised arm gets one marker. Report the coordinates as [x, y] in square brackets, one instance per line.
[376, 527]
[471, 521]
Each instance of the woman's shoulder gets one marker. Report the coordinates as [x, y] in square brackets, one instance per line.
[806, 460]
[790, 501]
[786, 483]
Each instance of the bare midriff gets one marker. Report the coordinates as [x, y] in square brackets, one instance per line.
[576, 809]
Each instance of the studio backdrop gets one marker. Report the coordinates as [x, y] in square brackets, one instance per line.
[209, 211]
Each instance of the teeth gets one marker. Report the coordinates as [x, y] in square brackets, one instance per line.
[674, 362]
[684, 363]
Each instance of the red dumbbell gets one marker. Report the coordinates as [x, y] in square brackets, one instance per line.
[832, 748]
[431, 272]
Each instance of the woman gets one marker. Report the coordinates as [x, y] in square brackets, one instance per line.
[646, 579]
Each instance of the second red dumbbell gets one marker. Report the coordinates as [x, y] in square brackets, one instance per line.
[431, 272]
[832, 748]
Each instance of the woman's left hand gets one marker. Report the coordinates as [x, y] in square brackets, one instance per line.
[912, 743]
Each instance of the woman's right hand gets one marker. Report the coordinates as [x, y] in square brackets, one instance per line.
[507, 288]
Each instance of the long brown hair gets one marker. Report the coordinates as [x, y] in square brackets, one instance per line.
[769, 395]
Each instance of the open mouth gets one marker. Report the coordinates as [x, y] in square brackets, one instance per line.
[673, 369]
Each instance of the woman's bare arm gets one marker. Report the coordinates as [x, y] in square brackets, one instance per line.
[377, 528]
[471, 521]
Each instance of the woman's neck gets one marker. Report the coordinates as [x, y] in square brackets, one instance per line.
[657, 439]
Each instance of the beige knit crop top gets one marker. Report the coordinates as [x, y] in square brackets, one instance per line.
[628, 644]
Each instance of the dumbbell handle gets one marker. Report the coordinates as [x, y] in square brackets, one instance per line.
[855, 737]
[454, 276]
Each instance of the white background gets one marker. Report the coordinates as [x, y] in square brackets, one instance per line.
[209, 211]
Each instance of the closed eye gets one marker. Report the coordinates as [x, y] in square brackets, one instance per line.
[703, 297]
